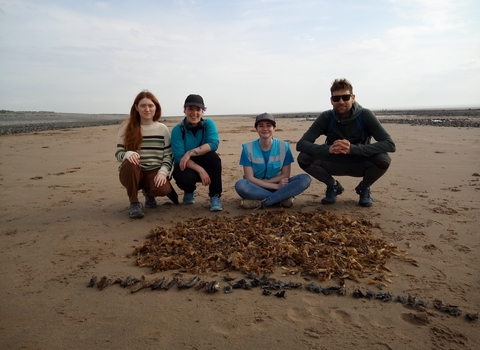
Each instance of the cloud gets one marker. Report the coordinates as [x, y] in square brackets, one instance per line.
[102, 5]
[244, 57]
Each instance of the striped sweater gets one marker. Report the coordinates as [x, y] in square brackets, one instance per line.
[155, 151]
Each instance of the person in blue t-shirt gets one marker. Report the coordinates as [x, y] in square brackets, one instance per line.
[266, 166]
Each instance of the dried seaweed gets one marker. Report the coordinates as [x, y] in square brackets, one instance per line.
[317, 243]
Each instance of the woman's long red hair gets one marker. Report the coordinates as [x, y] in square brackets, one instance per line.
[132, 139]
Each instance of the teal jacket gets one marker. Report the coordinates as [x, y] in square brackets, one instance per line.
[186, 140]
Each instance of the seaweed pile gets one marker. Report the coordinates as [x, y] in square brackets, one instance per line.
[318, 243]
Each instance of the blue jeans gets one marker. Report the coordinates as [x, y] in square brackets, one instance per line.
[296, 185]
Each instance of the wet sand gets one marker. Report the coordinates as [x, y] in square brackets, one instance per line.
[64, 218]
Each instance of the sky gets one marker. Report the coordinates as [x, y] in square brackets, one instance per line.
[243, 57]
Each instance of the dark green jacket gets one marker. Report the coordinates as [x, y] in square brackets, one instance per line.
[348, 129]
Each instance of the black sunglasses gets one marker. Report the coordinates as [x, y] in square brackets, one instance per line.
[343, 97]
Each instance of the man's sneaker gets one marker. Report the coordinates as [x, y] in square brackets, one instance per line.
[136, 210]
[150, 202]
[250, 203]
[287, 203]
[189, 198]
[365, 199]
[332, 193]
[215, 204]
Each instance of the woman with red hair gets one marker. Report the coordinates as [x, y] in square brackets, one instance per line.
[143, 147]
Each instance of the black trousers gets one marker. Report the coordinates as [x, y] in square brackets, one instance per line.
[187, 180]
[370, 168]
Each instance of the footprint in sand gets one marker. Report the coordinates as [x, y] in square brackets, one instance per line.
[347, 318]
[439, 274]
[260, 315]
[418, 319]
[445, 338]
[298, 314]
[463, 248]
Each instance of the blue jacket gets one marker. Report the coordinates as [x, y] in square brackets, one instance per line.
[275, 162]
[183, 142]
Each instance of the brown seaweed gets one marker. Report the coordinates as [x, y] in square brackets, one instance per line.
[318, 243]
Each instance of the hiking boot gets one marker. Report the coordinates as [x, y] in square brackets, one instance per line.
[287, 203]
[250, 203]
[332, 193]
[189, 198]
[150, 202]
[215, 204]
[136, 210]
[365, 199]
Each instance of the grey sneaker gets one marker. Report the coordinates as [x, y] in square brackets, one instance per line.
[262, 204]
[250, 203]
[150, 202]
[136, 210]
[287, 203]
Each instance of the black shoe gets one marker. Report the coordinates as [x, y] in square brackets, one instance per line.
[136, 210]
[173, 196]
[150, 202]
[365, 199]
[332, 193]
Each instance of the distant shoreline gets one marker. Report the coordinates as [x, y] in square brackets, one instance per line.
[28, 122]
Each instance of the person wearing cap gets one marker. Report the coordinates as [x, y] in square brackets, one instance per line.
[143, 147]
[347, 149]
[194, 144]
[267, 166]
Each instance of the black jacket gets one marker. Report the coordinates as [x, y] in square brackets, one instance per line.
[348, 129]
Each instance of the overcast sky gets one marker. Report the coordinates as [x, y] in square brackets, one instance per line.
[243, 57]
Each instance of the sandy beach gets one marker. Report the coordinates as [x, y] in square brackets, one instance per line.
[65, 219]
